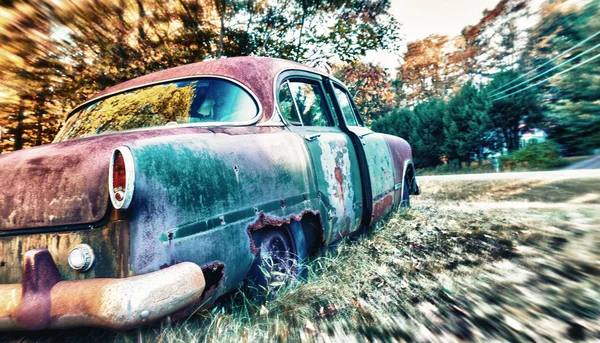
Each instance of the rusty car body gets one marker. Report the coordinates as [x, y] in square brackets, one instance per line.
[159, 193]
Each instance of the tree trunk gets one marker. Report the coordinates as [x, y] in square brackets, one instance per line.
[40, 129]
[301, 30]
[480, 155]
[507, 140]
[222, 33]
[142, 13]
[516, 138]
[20, 128]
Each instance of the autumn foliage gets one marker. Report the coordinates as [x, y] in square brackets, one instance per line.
[54, 55]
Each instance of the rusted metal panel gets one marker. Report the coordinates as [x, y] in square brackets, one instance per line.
[335, 166]
[381, 170]
[110, 244]
[66, 183]
[196, 192]
[63, 183]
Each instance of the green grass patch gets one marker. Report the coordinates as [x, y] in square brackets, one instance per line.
[445, 270]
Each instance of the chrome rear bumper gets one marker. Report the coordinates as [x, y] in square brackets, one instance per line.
[43, 301]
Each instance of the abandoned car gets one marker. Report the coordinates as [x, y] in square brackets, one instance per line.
[164, 192]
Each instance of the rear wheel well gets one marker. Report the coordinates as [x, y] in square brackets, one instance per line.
[410, 178]
[313, 232]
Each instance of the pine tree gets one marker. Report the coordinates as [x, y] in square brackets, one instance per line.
[513, 115]
[467, 126]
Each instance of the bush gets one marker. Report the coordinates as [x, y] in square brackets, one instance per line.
[545, 155]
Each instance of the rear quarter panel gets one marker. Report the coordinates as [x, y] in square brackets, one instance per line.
[401, 154]
[198, 196]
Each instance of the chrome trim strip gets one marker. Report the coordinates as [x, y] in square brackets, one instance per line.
[275, 120]
[129, 176]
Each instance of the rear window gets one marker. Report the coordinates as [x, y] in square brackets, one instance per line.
[206, 100]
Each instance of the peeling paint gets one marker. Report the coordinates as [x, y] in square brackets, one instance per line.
[337, 169]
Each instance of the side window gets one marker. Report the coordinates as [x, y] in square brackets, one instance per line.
[347, 110]
[286, 105]
[308, 104]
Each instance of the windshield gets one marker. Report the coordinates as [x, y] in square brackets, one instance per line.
[205, 100]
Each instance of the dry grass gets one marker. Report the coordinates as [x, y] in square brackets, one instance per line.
[467, 262]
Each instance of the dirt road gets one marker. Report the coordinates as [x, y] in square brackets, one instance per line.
[590, 163]
[545, 175]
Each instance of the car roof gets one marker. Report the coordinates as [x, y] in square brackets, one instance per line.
[256, 73]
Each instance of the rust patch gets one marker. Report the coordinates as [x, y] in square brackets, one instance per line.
[381, 206]
[264, 220]
[253, 247]
[340, 179]
[213, 274]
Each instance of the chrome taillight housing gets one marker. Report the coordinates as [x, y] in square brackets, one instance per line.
[121, 178]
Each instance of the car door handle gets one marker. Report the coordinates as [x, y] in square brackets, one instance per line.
[311, 137]
[366, 134]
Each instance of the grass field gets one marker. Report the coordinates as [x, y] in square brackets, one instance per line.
[478, 261]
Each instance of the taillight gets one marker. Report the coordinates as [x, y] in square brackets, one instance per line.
[121, 178]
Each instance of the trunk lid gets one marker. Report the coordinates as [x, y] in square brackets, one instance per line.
[63, 183]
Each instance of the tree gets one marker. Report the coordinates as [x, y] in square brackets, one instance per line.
[427, 132]
[467, 127]
[369, 86]
[438, 66]
[54, 55]
[28, 65]
[573, 116]
[495, 42]
[425, 72]
[515, 114]
[310, 31]
[423, 127]
[397, 123]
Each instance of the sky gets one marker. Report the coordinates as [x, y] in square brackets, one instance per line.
[420, 18]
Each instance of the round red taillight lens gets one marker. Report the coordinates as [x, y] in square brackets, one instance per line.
[119, 174]
[121, 178]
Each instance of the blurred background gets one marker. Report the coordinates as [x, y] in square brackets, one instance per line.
[473, 85]
[463, 81]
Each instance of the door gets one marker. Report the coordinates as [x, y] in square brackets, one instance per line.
[307, 111]
[374, 152]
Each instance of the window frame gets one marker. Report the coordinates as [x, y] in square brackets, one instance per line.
[309, 78]
[337, 84]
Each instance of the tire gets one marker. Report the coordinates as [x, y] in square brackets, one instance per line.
[280, 260]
